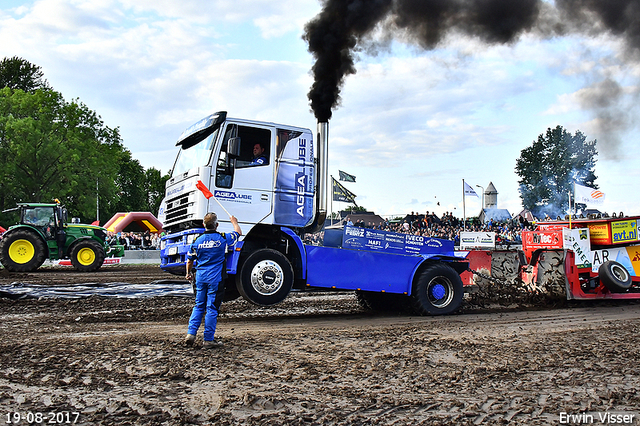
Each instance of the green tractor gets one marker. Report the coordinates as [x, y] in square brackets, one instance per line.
[44, 234]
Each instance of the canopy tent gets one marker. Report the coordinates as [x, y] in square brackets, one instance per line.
[134, 222]
[498, 215]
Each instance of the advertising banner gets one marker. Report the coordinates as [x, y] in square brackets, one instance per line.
[624, 231]
[578, 241]
[477, 240]
[629, 257]
[392, 242]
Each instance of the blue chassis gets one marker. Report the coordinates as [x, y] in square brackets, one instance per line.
[358, 267]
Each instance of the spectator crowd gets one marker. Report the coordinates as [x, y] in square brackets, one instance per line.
[135, 240]
[446, 226]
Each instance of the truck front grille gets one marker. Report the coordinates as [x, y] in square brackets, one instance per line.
[177, 209]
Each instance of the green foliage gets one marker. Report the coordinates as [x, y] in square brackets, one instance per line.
[17, 73]
[154, 186]
[54, 149]
[355, 209]
[550, 166]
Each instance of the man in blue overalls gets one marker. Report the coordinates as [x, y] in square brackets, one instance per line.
[209, 249]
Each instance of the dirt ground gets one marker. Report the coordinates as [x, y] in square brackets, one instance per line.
[315, 359]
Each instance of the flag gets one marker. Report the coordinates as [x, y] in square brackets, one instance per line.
[202, 187]
[346, 176]
[586, 195]
[468, 191]
[340, 193]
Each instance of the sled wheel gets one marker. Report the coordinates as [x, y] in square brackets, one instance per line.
[266, 277]
[22, 250]
[87, 256]
[614, 276]
[437, 291]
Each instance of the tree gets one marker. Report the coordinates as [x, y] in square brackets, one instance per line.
[54, 149]
[355, 209]
[154, 186]
[17, 73]
[550, 166]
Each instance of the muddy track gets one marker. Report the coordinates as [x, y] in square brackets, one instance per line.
[318, 359]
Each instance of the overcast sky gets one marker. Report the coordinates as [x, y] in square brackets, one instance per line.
[411, 124]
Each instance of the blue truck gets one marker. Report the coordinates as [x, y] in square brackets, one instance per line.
[280, 199]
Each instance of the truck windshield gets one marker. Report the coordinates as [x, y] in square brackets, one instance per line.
[195, 156]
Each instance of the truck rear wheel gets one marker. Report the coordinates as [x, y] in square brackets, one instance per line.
[437, 291]
[87, 256]
[614, 276]
[266, 277]
[22, 251]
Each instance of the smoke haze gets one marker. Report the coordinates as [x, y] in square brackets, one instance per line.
[344, 27]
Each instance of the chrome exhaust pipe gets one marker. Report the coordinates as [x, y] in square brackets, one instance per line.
[322, 162]
[323, 166]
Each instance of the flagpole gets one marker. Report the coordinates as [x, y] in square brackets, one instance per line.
[331, 198]
[570, 209]
[464, 209]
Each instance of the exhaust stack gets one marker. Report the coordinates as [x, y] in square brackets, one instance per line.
[323, 162]
[322, 174]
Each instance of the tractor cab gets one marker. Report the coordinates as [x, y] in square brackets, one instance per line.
[48, 218]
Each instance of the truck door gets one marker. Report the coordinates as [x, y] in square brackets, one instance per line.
[244, 185]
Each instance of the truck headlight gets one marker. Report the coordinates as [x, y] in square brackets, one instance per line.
[163, 244]
[191, 238]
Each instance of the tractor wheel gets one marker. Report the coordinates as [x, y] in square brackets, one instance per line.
[266, 277]
[614, 276]
[22, 251]
[87, 256]
[437, 291]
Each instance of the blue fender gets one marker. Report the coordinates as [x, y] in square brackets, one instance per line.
[300, 245]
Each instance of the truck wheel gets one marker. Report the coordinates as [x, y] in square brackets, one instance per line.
[266, 277]
[614, 276]
[437, 291]
[87, 256]
[22, 251]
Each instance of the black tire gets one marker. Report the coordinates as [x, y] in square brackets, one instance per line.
[438, 290]
[614, 276]
[265, 278]
[87, 256]
[382, 302]
[22, 250]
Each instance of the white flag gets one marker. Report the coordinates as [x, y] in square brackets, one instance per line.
[589, 196]
[468, 191]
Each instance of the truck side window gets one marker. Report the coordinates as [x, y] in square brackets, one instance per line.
[224, 165]
[256, 147]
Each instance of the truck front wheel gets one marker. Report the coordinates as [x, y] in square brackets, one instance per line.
[437, 291]
[87, 256]
[266, 277]
[22, 250]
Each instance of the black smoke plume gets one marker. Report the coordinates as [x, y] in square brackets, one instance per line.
[345, 26]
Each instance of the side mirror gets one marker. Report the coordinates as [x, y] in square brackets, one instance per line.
[233, 147]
